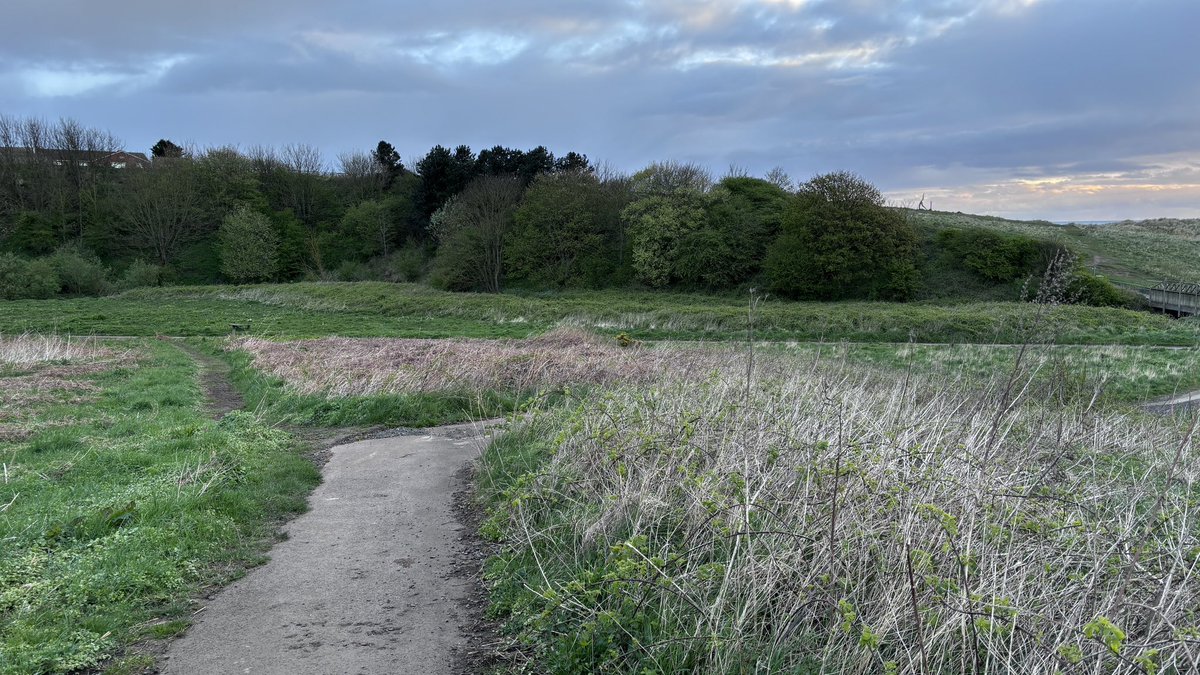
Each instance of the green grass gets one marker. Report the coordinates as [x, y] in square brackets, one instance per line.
[132, 503]
[368, 309]
[1121, 375]
[1133, 253]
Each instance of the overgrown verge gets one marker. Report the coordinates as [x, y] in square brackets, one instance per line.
[819, 519]
[121, 499]
[414, 382]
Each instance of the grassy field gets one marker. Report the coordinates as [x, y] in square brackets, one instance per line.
[834, 519]
[120, 499]
[369, 309]
[1133, 253]
[657, 509]
[1110, 374]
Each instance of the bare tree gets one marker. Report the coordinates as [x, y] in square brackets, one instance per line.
[362, 173]
[82, 158]
[780, 179]
[736, 170]
[305, 170]
[57, 169]
[264, 159]
[162, 209]
[472, 228]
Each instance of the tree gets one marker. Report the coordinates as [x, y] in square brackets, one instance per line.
[227, 182]
[162, 209]
[372, 224]
[305, 169]
[838, 241]
[668, 206]
[388, 161]
[360, 176]
[165, 148]
[443, 175]
[573, 162]
[471, 230]
[557, 238]
[249, 246]
[499, 161]
[742, 217]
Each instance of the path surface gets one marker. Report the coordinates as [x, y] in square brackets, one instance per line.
[1188, 401]
[221, 395]
[364, 583]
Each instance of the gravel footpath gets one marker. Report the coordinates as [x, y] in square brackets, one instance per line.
[365, 582]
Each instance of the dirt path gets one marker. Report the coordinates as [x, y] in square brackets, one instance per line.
[364, 583]
[222, 396]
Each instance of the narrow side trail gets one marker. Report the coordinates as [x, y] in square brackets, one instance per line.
[1169, 404]
[364, 582]
[219, 392]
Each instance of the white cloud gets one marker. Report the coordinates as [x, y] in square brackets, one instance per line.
[77, 80]
[439, 48]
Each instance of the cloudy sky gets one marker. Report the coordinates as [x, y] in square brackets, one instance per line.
[1059, 109]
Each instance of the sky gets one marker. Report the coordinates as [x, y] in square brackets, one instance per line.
[1055, 109]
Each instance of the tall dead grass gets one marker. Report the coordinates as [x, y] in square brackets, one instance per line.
[363, 367]
[36, 370]
[23, 351]
[848, 522]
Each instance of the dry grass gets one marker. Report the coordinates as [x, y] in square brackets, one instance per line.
[28, 350]
[863, 522]
[41, 370]
[363, 367]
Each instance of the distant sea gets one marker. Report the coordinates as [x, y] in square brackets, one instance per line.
[1085, 222]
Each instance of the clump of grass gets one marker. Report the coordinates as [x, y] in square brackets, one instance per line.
[27, 350]
[832, 520]
[341, 367]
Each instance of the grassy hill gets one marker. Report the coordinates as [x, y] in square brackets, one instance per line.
[1132, 253]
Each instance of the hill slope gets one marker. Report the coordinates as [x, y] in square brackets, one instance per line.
[1132, 253]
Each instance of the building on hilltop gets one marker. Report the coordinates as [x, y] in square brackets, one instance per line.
[118, 159]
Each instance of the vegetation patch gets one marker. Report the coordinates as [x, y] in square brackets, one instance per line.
[827, 519]
[37, 371]
[404, 382]
[123, 500]
[564, 357]
[374, 309]
[1111, 373]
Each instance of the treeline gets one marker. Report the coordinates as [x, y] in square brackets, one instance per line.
[73, 221]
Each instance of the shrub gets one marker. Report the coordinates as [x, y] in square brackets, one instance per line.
[353, 270]
[996, 257]
[140, 274]
[839, 242]
[80, 272]
[42, 279]
[1086, 288]
[405, 265]
[249, 246]
[21, 279]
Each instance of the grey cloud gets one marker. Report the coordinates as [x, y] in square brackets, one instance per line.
[958, 91]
